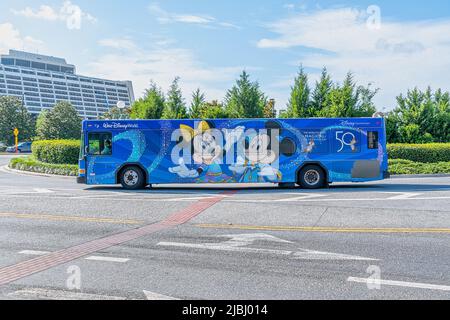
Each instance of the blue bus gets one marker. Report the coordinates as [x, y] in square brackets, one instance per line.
[311, 153]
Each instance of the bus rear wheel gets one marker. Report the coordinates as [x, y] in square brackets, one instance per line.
[311, 177]
[132, 178]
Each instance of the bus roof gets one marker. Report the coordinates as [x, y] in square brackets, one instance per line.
[95, 125]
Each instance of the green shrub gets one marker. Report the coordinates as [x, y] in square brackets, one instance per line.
[429, 153]
[57, 151]
[400, 166]
[33, 165]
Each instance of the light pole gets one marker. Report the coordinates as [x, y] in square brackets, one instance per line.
[120, 106]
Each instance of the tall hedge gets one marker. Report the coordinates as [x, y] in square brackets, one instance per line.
[57, 151]
[429, 153]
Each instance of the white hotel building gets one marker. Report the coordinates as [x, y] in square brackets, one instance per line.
[41, 81]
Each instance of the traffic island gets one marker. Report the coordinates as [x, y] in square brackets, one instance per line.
[30, 164]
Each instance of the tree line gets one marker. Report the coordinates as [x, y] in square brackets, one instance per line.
[418, 117]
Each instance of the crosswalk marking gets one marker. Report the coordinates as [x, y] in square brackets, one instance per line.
[93, 258]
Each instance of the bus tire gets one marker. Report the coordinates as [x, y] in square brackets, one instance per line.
[132, 178]
[311, 177]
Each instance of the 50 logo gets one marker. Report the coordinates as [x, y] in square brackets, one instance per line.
[346, 139]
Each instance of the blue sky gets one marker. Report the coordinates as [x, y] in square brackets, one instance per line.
[208, 43]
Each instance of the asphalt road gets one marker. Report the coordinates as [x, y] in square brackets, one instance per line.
[384, 240]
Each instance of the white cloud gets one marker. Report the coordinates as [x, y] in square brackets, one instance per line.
[69, 13]
[117, 43]
[44, 12]
[193, 19]
[162, 64]
[164, 16]
[395, 57]
[10, 38]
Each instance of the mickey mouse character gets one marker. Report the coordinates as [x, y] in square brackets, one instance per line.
[258, 160]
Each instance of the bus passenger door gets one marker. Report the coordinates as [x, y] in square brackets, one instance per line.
[100, 166]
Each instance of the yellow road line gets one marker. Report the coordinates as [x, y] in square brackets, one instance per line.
[68, 218]
[326, 229]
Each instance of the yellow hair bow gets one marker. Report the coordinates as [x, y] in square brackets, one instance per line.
[189, 133]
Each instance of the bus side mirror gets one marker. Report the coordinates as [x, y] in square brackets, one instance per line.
[86, 150]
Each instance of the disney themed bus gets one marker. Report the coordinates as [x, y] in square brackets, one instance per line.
[311, 153]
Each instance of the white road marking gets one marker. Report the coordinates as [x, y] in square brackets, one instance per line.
[239, 240]
[303, 196]
[239, 243]
[42, 190]
[94, 196]
[401, 284]
[47, 294]
[320, 255]
[34, 252]
[108, 259]
[402, 195]
[338, 200]
[156, 296]
[93, 258]
[219, 247]
[15, 191]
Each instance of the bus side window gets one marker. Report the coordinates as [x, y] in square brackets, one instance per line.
[372, 140]
[100, 144]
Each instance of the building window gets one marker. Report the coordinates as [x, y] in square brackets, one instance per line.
[31, 89]
[68, 70]
[38, 65]
[29, 79]
[23, 63]
[19, 93]
[14, 82]
[32, 94]
[52, 67]
[14, 87]
[8, 61]
[32, 99]
[12, 70]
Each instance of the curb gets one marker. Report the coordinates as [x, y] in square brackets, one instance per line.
[411, 176]
[30, 173]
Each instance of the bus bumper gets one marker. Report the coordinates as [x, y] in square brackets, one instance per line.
[81, 180]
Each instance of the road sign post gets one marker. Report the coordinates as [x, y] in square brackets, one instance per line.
[16, 139]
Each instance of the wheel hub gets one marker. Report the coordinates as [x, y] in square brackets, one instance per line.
[312, 177]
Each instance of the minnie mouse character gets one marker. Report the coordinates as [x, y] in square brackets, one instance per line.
[207, 155]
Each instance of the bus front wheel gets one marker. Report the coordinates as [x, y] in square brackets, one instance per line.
[311, 177]
[132, 178]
